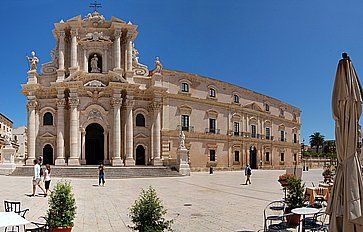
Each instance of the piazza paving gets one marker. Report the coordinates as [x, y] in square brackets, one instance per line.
[201, 202]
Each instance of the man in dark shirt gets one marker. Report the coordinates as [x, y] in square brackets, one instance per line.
[101, 174]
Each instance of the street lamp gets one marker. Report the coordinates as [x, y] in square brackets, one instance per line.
[302, 152]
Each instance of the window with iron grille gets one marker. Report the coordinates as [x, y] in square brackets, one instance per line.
[282, 136]
[253, 131]
[212, 125]
[267, 132]
[236, 128]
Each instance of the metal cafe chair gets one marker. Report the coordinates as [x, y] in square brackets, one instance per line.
[38, 229]
[274, 211]
[316, 223]
[15, 206]
[282, 226]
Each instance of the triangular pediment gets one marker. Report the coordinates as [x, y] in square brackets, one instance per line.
[47, 135]
[141, 136]
[253, 106]
[115, 19]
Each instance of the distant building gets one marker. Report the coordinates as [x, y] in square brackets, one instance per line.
[6, 128]
[19, 136]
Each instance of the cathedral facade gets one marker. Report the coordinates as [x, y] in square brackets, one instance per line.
[94, 102]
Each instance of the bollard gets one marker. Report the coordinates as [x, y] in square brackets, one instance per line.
[211, 170]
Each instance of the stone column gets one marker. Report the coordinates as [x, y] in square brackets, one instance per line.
[32, 104]
[117, 47]
[129, 52]
[74, 155]
[116, 159]
[104, 66]
[74, 64]
[105, 150]
[129, 133]
[60, 160]
[85, 61]
[60, 71]
[156, 136]
[83, 155]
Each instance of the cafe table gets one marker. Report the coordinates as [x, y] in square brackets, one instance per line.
[304, 211]
[11, 219]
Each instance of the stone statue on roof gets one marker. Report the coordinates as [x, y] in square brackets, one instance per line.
[33, 61]
[158, 67]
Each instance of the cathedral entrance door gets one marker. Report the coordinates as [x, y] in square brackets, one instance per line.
[48, 154]
[94, 144]
[140, 155]
[253, 157]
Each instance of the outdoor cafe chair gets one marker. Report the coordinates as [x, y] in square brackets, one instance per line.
[282, 226]
[274, 211]
[38, 229]
[316, 223]
[15, 206]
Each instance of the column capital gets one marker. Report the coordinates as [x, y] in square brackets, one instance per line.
[61, 34]
[61, 103]
[129, 103]
[128, 36]
[155, 105]
[117, 33]
[32, 104]
[116, 102]
[73, 102]
[74, 32]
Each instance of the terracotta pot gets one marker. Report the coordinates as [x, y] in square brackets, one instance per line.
[62, 229]
[283, 183]
[293, 220]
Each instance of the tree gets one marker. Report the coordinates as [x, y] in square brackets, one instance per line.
[147, 213]
[316, 140]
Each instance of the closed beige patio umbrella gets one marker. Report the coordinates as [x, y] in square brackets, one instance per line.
[346, 203]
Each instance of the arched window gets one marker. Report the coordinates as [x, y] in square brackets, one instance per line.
[48, 119]
[140, 120]
[184, 87]
[235, 98]
[212, 92]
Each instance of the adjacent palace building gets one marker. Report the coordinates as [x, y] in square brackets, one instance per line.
[94, 102]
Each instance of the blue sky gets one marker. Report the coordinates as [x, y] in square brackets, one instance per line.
[287, 49]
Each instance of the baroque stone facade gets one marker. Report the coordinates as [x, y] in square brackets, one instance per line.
[94, 102]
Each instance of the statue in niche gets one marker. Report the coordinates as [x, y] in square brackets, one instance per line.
[158, 67]
[94, 64]
[33, 61]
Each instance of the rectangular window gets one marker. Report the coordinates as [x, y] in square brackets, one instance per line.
[236, 156]
[185, 122]
[267, 156]
[282, 136]
[295, 138]
[236, 128]
[282, 157]
[267, 107]
[212, 155]
[212, 125]
[185, 87]
[253, 131]
[267, 132]
[295, 157]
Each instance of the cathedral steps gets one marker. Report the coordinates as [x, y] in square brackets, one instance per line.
[111, 172]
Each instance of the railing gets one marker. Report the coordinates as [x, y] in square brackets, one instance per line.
[185, 128]
[212, 131]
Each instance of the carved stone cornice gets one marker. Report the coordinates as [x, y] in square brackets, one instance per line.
[61, 103]
[116, 102]
[32, 104]
[73, 102]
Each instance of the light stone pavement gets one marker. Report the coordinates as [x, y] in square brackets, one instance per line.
[219, 202]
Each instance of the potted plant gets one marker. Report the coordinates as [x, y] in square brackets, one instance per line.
[62, 208]
[327, 174]
[284, 178]
[294, 199]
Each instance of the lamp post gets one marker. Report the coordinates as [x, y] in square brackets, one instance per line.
[302, 153]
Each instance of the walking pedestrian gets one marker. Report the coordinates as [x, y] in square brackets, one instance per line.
[36, 178]
[248, 173]
[47, 178]
[101, 174]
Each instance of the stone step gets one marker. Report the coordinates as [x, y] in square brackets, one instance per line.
[110, 172]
